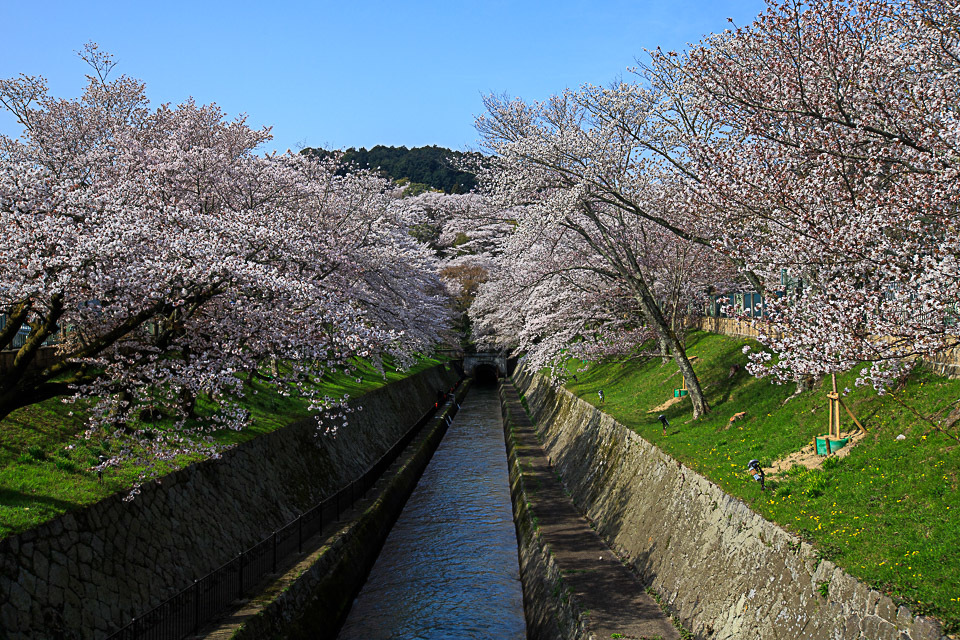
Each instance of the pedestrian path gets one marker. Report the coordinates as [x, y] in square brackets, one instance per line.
[616, 601]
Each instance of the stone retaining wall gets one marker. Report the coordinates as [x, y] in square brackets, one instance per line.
[550, 613]
[88, 572]
[315, 605]
[724, 570]
[45, 356]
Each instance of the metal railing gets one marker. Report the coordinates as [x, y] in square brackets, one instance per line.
[199, 603]
[750, 304]
[23, 333]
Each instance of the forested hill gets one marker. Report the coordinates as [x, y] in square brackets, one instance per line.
[433, 167]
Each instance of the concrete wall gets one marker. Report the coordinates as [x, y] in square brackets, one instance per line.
[725, 571]
[550, 612]
[90, 571]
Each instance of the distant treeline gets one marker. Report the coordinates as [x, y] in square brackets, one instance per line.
[424, 167]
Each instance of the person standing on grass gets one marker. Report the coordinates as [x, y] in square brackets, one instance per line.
[602, 397]
[663, 420]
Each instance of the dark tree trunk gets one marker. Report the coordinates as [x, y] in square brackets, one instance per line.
[667, 336]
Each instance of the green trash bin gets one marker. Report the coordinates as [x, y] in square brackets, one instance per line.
[836, 445]
[826, 445]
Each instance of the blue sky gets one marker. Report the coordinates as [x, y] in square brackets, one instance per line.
[341, 74]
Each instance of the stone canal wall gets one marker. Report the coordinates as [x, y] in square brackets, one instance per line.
[726, 572]
[90, 571]
[550, 612]
[315, 602]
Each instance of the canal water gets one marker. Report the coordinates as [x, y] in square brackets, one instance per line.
[449, 568]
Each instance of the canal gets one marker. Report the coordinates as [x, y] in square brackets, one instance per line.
[449, 567]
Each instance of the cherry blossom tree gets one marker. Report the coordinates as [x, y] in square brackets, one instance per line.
[607, 166]
[817, 145]
[551, 295]
[172, 258]
[835, 163]
[467, 232]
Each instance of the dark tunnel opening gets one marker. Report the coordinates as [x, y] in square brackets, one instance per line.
[485, 375]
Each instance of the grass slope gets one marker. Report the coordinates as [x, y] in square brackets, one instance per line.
[888, 513]
[40, 478]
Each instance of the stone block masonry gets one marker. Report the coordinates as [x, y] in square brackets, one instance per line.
[45, 356]
[88, 572]
[312, 600]
[573, 586]
[725, 571]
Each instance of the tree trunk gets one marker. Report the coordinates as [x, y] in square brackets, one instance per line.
[188, 401]
[19, 397]
[668, 337]
[16, 316]
[697, 399]
[25, 356]
[664, 347]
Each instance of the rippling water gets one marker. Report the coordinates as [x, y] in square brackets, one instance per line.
[449, 566]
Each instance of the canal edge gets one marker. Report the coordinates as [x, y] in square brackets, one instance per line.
[547, 608]
[311, 599]
[555, 607]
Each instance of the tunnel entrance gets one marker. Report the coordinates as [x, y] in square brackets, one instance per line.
[486, 375]
[486, 368]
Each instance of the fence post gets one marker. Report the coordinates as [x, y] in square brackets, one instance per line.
[274, 552]
[300, 531]
[240, 576]
[196, 606]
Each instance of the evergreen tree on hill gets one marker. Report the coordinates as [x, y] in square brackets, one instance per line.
[435, 167]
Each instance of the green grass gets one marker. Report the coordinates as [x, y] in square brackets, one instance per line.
[888, 513]
[41, 478]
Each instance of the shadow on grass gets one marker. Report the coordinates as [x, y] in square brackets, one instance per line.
[13, 498]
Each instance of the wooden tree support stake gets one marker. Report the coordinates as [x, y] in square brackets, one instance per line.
[835, 404]
[852, 417]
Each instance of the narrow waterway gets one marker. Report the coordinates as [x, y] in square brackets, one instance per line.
[449, 566]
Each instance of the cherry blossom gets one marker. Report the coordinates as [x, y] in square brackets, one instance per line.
[812, 154]
[600, 176]
[835, 165]
[173, 261]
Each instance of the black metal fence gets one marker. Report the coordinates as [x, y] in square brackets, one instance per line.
[187, 611]
[23, 333]
[751, 304]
